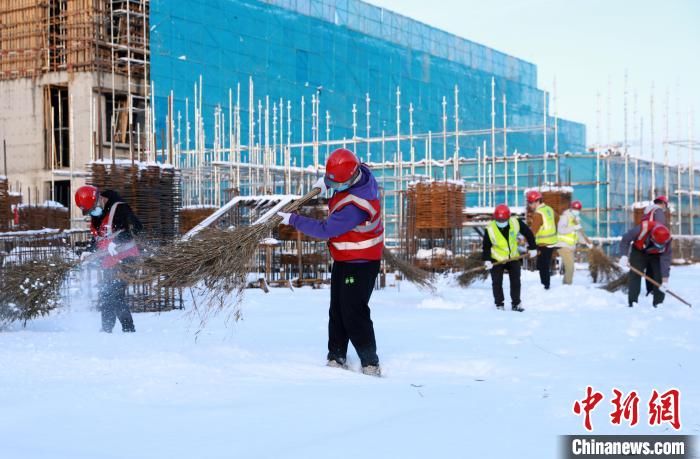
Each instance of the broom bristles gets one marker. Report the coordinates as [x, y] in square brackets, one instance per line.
[601, 267]
[218, 260]
[422, 278]
[470, 274]
[31, 289]
[619, 284]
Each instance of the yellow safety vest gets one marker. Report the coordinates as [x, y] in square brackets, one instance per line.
[502, 249]
[570, 239]
[547, 234]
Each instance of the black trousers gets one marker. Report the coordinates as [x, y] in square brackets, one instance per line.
[646, 263]
[513, 269]
[544, 264]
[112, 303]
[349, 315]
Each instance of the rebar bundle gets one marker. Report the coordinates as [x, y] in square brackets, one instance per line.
[152, 191]
[193, 215]
[33, 217]
[434, 220]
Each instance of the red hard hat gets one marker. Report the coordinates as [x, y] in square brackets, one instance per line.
[501, 212]
[660, 234]
[661, 198]
[576, 205]
[341, 167]
[533, 196]
[86, 197]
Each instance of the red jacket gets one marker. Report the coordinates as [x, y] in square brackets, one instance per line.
[365, 241]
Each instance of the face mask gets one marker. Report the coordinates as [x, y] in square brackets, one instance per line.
[341, 187]
[96, 212]
[575, 213]
[502, 224]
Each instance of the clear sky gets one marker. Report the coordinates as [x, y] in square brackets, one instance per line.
[588, 45]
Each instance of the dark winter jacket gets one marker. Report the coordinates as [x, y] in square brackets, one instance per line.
[124, 218]
[524, 230]
[665, 257]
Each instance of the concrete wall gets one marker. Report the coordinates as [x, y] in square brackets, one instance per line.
[22, 128]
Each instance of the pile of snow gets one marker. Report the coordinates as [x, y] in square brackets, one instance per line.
[199, 206]
[47, 204]
[550, 189]
[142, 165]
[435, 252]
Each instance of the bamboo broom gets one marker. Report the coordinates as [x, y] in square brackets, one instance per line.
[220, 260]
[471, 272]
[470, 275]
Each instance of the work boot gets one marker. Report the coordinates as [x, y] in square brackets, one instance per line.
[631, 304]
[500, 307]
[372, 370]
[516, 307]
[337, 363]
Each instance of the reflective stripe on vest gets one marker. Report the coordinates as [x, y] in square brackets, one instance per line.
[366, 240]
[359, 202]
[106, 236]
[547, 234]
[502, 249]
[571, 238]
[358, 245]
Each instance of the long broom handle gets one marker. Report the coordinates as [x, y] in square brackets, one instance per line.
[502, 262]
[296, 205]
[659, 286]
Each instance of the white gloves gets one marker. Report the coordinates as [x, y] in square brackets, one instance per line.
[85, 255]
[532, 253]
[577, 227]
[112, 248]
[488, 265]
[320, 183]
[285, 217]
[624, 261]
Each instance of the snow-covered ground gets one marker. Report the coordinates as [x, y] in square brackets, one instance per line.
[461, 378]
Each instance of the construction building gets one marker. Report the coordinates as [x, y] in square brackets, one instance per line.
[248, 97]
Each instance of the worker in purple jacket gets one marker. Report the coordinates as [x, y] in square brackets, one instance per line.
[355, 235]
